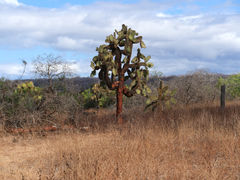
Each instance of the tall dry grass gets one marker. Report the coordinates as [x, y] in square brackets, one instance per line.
[199, 142]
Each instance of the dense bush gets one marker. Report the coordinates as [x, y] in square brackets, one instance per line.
[23, 104]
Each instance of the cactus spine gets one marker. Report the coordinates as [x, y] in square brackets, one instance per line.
[116, 65]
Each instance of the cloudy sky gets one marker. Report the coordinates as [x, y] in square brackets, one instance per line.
[181, 35]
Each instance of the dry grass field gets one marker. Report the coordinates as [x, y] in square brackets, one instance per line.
[200, 142]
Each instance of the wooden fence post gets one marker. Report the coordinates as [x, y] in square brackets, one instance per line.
[223, 90]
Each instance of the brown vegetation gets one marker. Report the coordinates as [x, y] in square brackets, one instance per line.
[197, 142]
[194, 87]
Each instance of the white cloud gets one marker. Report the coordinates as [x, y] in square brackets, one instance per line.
[66, 43]
[187, 18]
[162, 15]
[196, 40]
[81, 67]
[10, 2]
[10, 70]
[181, 65]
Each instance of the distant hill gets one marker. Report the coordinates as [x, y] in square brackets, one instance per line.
[82, 83]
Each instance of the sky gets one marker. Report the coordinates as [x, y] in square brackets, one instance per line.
[181, 35]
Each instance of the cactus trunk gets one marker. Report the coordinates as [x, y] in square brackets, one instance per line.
[120, 92]
[119, 105]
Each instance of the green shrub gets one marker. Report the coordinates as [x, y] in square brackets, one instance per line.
[232, 85]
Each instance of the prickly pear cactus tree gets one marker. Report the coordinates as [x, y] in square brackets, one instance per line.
[116, 65]
[162, 99]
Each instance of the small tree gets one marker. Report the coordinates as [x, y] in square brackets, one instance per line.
[116, 66]
[51, 67]
[163, 98]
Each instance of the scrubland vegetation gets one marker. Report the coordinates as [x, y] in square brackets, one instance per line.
[187, 140]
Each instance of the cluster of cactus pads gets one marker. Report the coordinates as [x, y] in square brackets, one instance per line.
[163, 98]
[116, 65]
[28, 89]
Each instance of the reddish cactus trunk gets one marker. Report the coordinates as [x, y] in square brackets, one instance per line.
[119, 104]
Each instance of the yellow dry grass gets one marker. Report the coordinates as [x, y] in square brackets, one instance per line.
[132, 153]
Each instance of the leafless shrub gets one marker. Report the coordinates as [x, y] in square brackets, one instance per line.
[195, 87]
[51, 68]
